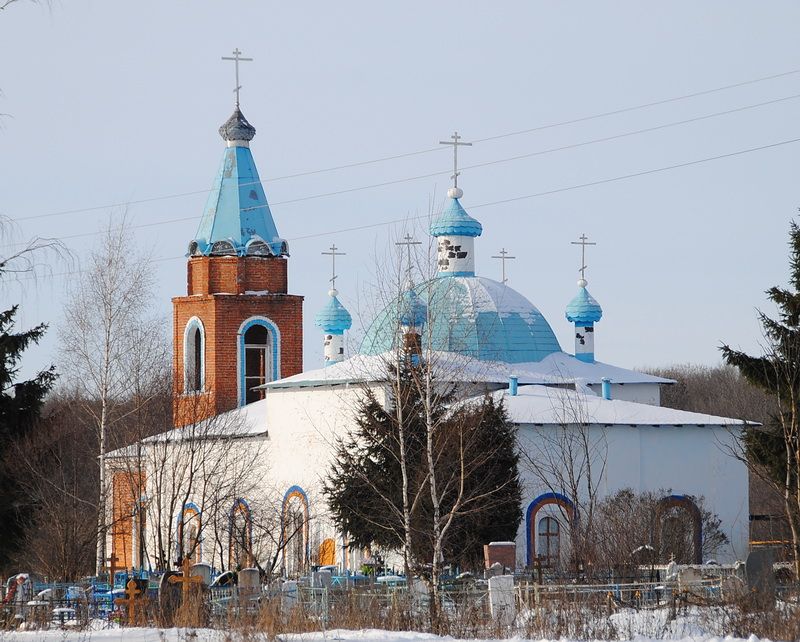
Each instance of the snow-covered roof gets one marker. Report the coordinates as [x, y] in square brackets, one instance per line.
[239, 423]
[555, 368]
[548, 405]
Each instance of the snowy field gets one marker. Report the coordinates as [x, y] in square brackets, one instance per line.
[631, 626]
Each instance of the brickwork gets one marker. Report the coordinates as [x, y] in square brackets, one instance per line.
[236, 275]
[217, 289]
[126, 488]
[504, 553]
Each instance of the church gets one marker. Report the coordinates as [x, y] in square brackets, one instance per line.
[237, 481]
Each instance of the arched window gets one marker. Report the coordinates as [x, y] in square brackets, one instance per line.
[241, 540]
[259, 361]
[194, 347]
[295, 532]
[188, 534]
[549, 541]
[544, 537]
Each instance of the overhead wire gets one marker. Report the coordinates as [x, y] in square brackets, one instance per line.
[111, 206]
[549, 192]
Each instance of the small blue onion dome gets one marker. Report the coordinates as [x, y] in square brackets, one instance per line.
[237, 128]
[583, 309]
[413, 311]
[334, 317]
[454, 220]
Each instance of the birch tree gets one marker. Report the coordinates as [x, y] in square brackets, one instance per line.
[106, 315]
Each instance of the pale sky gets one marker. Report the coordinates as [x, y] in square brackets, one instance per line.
[113, 102]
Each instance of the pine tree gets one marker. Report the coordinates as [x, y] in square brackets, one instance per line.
[363, 487]
[776, 448]
[20, 405]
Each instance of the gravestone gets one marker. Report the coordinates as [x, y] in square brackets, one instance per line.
[204, 571]
[249, 578]
[321, 580]
[504, 553]
[502, 604]
[418, 590]
[760, 576]
[289, 595]
[493, 571]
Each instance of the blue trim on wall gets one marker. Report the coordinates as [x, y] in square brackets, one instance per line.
[178, 523]
[533, 507]
[297, 490]
[274, 334]
[444, 274]
[194, 322]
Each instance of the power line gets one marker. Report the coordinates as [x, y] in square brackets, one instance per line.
[557, 190]
[569, 188]
[642, 106]
[433, 149]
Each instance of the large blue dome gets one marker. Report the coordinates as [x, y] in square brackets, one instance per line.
[473, 316]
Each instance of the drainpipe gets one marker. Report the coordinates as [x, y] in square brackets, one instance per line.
[512, 386]
[606, 383]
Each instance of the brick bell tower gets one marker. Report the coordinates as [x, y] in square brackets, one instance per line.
[237, 327]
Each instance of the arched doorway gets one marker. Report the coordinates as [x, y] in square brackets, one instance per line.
[678, 530]
[259, 358]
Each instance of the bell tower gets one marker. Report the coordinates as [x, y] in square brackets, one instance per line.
[237, 327]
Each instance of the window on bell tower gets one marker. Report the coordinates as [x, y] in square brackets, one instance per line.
[257, 361]
[194, 357]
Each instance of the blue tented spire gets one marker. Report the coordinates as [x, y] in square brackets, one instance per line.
[237, 220]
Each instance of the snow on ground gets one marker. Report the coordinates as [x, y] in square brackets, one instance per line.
[366, 635]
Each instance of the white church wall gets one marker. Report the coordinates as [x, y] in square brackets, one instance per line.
[684, 460]
[303, 425]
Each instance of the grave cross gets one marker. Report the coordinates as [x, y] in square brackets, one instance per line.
[333, 254]
[112, 567]
[504, 256]
[129, 602]
[408, 241]
[455, 138]
[236, 60]
[185, 578]
[583, 242]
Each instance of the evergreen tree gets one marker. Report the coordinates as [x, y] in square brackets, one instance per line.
[776, 447]
[364, 485]
[20, 404]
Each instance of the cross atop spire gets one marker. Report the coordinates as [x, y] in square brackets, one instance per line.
[236, 60]
[455, 142]
[504, 256]
[408, 241]
[583, 241]
[333, 254]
